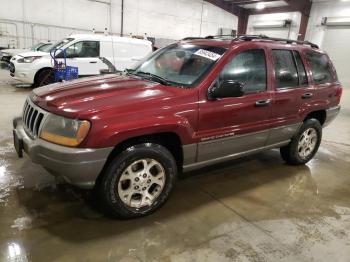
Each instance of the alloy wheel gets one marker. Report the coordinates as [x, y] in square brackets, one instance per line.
[141, 183]
[307, 143]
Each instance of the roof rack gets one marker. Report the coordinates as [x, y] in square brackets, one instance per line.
[264, 37]
[254, 37]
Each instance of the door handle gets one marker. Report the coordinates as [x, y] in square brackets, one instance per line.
[307, 95]
[93, 62]
[261, 103]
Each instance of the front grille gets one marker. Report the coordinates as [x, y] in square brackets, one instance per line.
[32, 118]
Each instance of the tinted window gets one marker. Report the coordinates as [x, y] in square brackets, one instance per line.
[248, 68]
[83, 49]
[301, 69]
[285, 69]
[321, 68]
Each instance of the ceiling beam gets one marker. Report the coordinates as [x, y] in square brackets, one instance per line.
[245, 2]
[233, 9]
[303, 6]
[272, 10]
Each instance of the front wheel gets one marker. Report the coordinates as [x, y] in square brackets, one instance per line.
[304, 144]
[138, 180]
[44, 77]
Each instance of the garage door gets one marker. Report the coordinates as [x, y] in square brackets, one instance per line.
[336, 43]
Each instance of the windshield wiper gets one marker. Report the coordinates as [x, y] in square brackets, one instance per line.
[156, 78]
[129, 71]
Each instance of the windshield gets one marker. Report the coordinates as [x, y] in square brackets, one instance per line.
[180, 64]
[62, 43]
[35, 47]
[45, 47]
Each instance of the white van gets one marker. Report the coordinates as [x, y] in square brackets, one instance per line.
[83, 51]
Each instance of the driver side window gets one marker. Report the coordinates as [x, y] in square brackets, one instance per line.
[84, 49]
[249, 69]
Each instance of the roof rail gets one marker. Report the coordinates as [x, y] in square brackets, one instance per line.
[209, 37]
[254, 37]
[192, 38]
[264, 37]
[220, 37]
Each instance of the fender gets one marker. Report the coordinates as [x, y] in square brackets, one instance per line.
[114, 134]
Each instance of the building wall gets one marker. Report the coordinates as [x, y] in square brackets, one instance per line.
[315, 31]
[24, 22]
[294, 29]
[333, 39]
[175, 18]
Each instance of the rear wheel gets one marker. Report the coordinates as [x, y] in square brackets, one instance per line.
[138, 180]
[304, 144]
[44, 77]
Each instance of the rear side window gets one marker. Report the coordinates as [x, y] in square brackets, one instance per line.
[301, 69]
[286, 72]
[248, 68]
[321, 68]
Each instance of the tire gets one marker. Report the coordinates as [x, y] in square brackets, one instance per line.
[304, 144]
[44, 77]
[122, 187]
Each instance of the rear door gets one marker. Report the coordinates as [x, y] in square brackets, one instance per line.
[291, 91]
[234, 125]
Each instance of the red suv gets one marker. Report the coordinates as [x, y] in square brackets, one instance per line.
[188, 105]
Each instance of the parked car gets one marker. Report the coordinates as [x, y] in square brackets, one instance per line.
[82, 51]
[7, 54]
[189, 105]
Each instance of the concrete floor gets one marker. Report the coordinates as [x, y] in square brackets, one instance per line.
[253, 209]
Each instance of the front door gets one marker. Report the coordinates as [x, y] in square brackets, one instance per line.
[233, 125]
[85, 56]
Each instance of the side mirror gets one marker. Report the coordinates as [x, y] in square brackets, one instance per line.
[226, 88]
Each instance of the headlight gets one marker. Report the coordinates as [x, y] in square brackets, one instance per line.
[28, 59]
[64, 131]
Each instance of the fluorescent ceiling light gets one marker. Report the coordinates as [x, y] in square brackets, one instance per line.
[260, 6]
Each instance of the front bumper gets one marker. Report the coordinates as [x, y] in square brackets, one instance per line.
[78, 166]
[22, 72]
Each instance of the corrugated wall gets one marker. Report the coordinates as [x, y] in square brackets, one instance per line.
[24, 22]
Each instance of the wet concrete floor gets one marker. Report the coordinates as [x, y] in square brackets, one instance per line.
[253, 209]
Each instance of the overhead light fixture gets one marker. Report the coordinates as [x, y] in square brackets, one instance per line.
[260, 6]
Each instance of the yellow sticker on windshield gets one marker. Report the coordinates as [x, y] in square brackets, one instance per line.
[207, 54]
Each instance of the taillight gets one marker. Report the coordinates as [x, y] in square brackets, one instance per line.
[339, 93]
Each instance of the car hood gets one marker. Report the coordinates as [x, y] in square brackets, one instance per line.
[89, 96]
[13, 52]
[33, 53]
